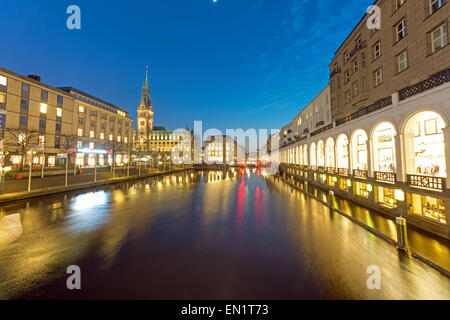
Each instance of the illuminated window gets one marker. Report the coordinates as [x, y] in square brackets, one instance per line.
[425, 147]
[59, 112]
[125, 140]
[81, 109]
[342, 152]
[102, 136]
[80, 132]
[386, 197]
[41, 140]
[362, 189]
[3, 98]
[359, 146]
[91, 145]
[427, 207]
[3, 81]
[79, 144]
[384, 148]
[91, 134]
[119, 138]
[111, 137]
[43, 108]
[344, 185]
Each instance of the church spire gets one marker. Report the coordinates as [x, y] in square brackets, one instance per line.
[145, 101]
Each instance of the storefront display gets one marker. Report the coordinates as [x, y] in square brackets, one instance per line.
[359, 145]
[342, 152]
[384, 148]
[329, 159]
[386, 197]
[428, 207]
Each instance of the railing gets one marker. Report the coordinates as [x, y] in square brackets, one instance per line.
[335, 72]
[314, 168]
[330, 170]
[328, 127]
[389, 177]
[362, 174]
[321, 169]
[357, 48]
[380, 104]
[306, 131]
[343, 171]
[320, 123]
[433, 81]
[435, 183]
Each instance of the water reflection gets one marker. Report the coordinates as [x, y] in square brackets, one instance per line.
[10, 228]
[201, 235]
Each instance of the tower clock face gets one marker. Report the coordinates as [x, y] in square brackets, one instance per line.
[142, 123]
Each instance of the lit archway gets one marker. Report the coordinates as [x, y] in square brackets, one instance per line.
[321, 154]
[313, 155]
[329, 154]
[305, 155]
[300, 154]
[342, 152]
[359, 150]
[384, 148]
[424, 145]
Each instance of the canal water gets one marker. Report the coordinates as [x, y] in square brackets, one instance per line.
[199, 235]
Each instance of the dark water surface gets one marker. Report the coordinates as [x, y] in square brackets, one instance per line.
[210, 235]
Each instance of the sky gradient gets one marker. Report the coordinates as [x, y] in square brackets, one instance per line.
[230, 63]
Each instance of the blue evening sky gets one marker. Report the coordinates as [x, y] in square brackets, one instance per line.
[230, 63]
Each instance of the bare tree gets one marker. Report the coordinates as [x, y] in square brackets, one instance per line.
[129, 148]
[20, 141]
[115, 147]
[67, 145]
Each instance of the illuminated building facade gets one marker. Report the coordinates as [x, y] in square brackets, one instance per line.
[46, 115]
[222, 150]
[162, 140]
[101, 128]
[32, 114]
[387, 145]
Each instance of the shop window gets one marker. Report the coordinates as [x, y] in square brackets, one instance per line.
[329, 158]
[424, 145]
[16, 160]
[51, 161]
[321, 154]
[345, 184]
[331, 181]
[359, 146]
[342, 152]
[384, 148]
[322, 179]
[386, 197]
[427, 207]
[362, 189]
[313, 155]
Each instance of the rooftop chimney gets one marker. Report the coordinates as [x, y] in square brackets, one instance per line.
[34, 77]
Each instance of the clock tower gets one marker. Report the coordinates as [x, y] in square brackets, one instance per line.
[145, 117]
